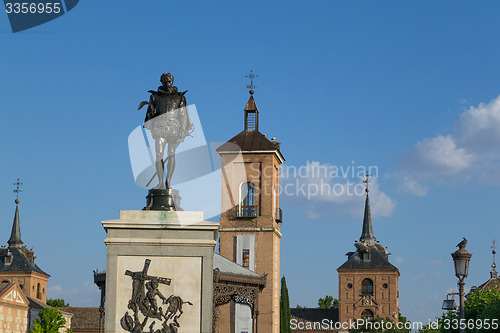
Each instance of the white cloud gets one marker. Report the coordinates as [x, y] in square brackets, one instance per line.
[399, 260]
[478, 130]
[409, 184]
[470, 153]
[322, 189]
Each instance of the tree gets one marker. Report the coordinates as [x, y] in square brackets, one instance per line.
[328, 302]
[483, 304]
[479, 305]
[285, 314]
[57, 303]
[49, 320]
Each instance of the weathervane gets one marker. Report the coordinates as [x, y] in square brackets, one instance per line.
[367, 181]
[251, 86]
[17, 184]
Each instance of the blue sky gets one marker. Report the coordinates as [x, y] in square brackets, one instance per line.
[408, 87]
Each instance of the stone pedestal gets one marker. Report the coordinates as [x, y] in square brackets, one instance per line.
[159, 271]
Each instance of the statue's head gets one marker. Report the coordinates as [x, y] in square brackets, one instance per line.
[167, 79]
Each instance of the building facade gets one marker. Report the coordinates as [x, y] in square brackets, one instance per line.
[368, 282]
[14, 307]
[17, 264]
[250, 220]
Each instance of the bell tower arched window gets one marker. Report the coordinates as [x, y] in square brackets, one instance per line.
[367, 314]
[247, 200]
[367, 287]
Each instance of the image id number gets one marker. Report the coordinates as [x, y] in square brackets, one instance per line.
[33, 8]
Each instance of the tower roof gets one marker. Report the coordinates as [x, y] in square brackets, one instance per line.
[250, 139]
[251, 106]
[368, 254]
[377, 259]
[367, 235]
[15, 236]
[17, 258]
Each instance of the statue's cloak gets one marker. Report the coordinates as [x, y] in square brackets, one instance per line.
[167, 116]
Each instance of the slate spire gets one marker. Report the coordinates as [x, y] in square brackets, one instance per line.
[367, 235]
[15, 236]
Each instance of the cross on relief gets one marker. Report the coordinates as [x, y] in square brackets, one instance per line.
[139, 278]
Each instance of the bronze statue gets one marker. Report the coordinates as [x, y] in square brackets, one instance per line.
[168, 120]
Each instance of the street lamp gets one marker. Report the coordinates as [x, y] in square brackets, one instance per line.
[461, 259]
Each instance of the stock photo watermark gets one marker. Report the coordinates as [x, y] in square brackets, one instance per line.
[28, 14]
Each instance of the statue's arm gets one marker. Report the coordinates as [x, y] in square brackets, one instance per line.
[151, 106]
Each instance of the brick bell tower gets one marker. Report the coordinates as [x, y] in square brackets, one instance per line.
[250, 219]
[368, 282]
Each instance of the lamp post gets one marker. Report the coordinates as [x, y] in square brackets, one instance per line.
[461, 259]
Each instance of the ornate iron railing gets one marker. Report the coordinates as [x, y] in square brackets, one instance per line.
[244, 211]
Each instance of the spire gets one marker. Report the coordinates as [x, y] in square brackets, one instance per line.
[494, 273]
[15, 236]
[367, 235]
[251, 115]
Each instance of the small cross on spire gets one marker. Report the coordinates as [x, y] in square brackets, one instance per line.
[251, 86]
[17, 190]
[367, 181]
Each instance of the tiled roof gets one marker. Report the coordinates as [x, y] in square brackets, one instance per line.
[84, 318]
[250, 140]
[377, 260]
[20, 262]
[229, 267]
[36, 304]
[490, 284]
[315, 315]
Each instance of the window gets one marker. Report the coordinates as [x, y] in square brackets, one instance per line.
[385, 286]
[8, 258]
[367, 287]
[247, 195]
[246, 258]
[367, 314]
[38, 293]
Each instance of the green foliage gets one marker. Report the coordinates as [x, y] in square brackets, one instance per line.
[483, 304]
[300, 307]
[328, 302]
[49, 320]
[57, 303]
[285, 314]
[481, 307]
